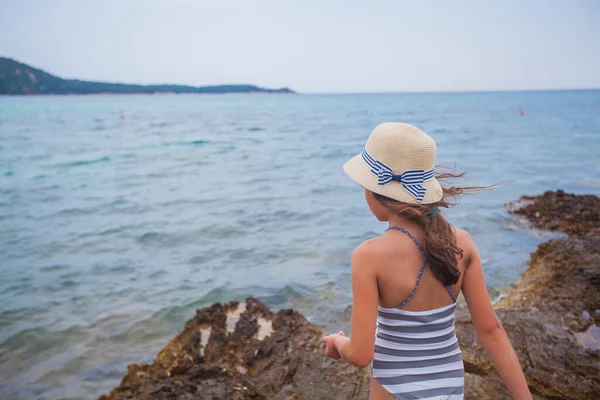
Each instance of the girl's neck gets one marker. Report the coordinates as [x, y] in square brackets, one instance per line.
[402, 222]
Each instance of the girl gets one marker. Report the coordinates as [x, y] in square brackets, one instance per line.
[405, 282]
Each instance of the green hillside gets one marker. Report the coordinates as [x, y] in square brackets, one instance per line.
[21, 79]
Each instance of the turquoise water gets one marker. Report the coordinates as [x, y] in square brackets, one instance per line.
[113, 231]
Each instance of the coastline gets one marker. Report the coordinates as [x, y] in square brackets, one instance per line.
[143, 94]
[550, 315]
[244, 351]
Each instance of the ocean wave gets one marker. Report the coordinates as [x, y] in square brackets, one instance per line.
[159, 124]
[198, 142]
[54, 267]
[225, 149]
[158, 274]
[119, 269]
[104, 232]
[161, 239]
[81, 163]
[71, 212]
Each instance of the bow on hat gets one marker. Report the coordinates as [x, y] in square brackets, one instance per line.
[411, 180]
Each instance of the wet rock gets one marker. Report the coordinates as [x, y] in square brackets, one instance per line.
[244, 351]
[551, 315]
[569, 213]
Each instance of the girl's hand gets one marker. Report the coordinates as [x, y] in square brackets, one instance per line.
[331, 351]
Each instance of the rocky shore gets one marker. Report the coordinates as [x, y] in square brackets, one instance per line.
[552, 316]
[244, 351]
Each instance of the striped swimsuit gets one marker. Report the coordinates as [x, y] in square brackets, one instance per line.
[416, 352]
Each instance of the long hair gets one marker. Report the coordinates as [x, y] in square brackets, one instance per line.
[441, 249]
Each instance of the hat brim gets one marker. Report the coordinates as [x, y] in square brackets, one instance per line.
[360, 172]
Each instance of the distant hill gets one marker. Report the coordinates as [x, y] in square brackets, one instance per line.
[18, 79]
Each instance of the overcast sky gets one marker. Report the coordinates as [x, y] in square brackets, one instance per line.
[312, 45]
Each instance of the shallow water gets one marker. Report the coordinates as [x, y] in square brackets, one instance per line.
[113, 231]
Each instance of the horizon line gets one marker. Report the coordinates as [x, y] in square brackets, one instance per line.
[466, 91]
[310, 93]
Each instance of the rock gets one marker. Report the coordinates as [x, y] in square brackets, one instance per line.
[244, 351]
[569, 213]
[551, 315]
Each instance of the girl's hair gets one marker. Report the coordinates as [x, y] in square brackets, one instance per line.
[440, 242]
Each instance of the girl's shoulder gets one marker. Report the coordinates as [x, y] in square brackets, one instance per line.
[464, 242]
[382, 248]
[461, 235]
[368, 257]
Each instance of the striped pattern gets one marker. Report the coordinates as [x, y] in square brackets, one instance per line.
[411, 180]
[416, 352]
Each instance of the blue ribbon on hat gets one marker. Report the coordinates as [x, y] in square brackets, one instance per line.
[410, 180]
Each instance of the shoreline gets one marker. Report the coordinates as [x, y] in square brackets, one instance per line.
[141, 94]
[550, 315]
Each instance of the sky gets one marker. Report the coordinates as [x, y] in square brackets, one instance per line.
[313, 46]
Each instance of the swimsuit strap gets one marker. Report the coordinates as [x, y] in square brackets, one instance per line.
[407, 233]
[449, 290]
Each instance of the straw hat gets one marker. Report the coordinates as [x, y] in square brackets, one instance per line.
[398, 162]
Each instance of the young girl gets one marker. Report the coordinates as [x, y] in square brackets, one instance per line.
[406, 281]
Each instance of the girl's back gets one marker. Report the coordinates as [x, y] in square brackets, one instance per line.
[400, 260]
[416, 350]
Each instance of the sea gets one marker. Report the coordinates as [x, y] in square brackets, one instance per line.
[122, 215]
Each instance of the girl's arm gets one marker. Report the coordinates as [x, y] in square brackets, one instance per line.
[489, 330]
[359, 348]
